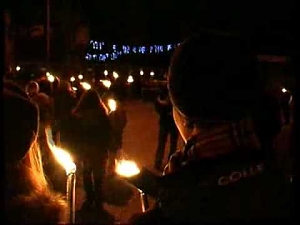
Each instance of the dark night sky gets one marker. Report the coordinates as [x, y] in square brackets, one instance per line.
[170, 20]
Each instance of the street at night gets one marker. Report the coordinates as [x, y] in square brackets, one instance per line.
[139, 144]
[149, 112]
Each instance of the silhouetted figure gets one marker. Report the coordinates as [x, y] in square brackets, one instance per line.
[91, 141]
[167, 128]
[28, 196]
[118, 121]
[64, 101]
[223, 172]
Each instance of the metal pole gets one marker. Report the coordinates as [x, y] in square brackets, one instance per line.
[144, 201]
[71, 193]
[48, 33]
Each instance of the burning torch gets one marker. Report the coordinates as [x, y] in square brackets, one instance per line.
[112, 104]
[147, 183]
[86, 85]
[143, 180]
[127, 169]
[106, 83]
[65, 160]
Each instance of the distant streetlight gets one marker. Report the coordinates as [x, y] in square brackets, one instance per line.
[18, 68]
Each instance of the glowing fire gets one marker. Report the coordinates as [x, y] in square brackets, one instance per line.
[86, 85]
[64, 159]
[112, 104]
[115, 75]
[62, 156]
[130, 79]
[126, 168]
[106, 83]
[51, 78]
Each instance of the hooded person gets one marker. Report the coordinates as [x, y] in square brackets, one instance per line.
[28, 197]
[223, 173]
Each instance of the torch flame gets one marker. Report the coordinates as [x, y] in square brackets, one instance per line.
[112, 104]
[126, 168]
[51, 78]
[115, 75]
[62, 156]
[86, 85]
[106, 83]
[64, 159]
[130, 79]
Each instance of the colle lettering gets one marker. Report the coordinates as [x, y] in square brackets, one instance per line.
[235, 176]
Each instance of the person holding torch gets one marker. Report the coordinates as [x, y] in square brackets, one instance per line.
[118, 120]
[222, 173]
[92, 139]
[28, 196]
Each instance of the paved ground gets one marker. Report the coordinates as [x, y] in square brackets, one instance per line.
[139, 144]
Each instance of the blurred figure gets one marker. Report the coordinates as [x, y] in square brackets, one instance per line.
[92, 138]
[28, 197]
[46, 111]
[43, 101]
[118, 121]
[167, 127]
[268, 120]
[223, 172]
[285, 148]
[118, 87]
[285, 102]
[64, 101]
[45, 87]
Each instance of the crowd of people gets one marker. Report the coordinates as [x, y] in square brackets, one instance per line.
[237, 163]
[84, 124]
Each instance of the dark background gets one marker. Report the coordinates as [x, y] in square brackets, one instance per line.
[165, 19]
[270, 25]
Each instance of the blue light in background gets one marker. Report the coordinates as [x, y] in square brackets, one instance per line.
[113, 52]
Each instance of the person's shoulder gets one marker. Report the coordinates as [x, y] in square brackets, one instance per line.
[38, 208]
[42, 95]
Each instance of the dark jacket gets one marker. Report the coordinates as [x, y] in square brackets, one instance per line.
[163, 107]
[64, 102]
[91, 131]
[239, 185]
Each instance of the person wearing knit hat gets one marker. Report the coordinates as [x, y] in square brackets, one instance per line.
[222, 173]
[28, 197]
